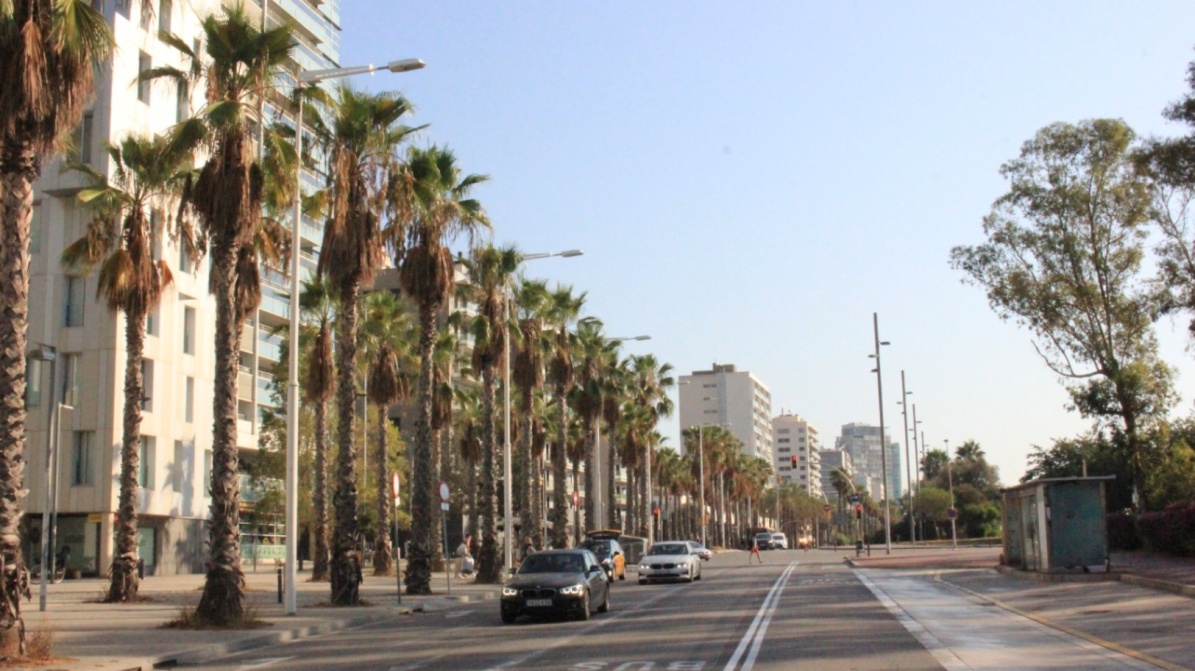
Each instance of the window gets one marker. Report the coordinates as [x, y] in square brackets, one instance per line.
[123, 7]
[85, 137]
[207, 473]
[143, 65]
[151, 323]
[82, 458]
[189, 399]
[147, 385]
[188, 330]
[182, 103]
[32, 383]
[73, 302]
[145, 469]
[70, 379]
[177, 472]
[184, 260]
[35, 230]
[165, 9]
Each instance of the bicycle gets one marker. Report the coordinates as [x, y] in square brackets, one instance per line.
[60, 561]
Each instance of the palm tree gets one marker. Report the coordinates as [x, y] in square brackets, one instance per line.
[146, 175]
[531, 301]
[318, 304]
[615, 394]
[241, 65]
[490, 272]
[361, 146]
[387, 340]
[586, 398]
[49, 50]
[434, 208]
[564, 310]
[652, 383]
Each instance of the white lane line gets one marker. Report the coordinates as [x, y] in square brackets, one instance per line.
[759, 626]
[944, 655]
[262, 663]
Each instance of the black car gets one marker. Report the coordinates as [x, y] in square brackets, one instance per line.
[567, 582]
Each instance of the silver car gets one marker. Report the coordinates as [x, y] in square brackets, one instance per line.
[670, 560]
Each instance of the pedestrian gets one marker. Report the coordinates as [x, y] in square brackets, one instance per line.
[528, 547]
[754, 551]
[465, 565]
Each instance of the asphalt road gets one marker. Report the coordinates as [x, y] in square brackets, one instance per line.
[799, 610]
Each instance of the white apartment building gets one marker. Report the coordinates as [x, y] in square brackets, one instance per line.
[736, 401]
[862, 442]
[794, 436]
[87, 375]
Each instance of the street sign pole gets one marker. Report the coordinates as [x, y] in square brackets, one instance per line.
[444, 492]
[397, 545]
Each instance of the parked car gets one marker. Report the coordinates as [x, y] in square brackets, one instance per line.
[670, 560]
[564, 582]
[779, 542]
[604, 545]
[763, 539]
[702, 551]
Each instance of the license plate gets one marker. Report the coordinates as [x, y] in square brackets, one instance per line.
[532, 603]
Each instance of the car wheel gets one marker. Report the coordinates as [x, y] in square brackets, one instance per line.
[690, 577]
[584, 614]
[508, 617]
[605, 607]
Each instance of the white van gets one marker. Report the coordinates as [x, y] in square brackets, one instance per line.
[779, 542]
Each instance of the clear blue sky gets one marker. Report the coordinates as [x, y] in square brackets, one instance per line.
[751, 181]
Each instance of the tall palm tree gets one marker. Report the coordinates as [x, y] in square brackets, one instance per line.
[490, 272]
[387, 332]
[652, 381]
[318, 305]
[363, 139]
[147, 175]
[531, 301]
[615, 394]
[434, 208]
[589, 358]
[49, 50]
[564, 310]
[240, 66]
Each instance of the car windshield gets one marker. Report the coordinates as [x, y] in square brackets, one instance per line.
[553, 563]
[599, 548]
[669, 549]
[778, 537]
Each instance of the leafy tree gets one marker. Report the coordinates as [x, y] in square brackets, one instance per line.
[1063, 258]
[934, 464]
[565, 308]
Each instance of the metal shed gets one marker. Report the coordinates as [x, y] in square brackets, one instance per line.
[1057, 525]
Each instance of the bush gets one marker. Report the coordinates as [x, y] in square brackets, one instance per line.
[1171, 531]
[1122, 532]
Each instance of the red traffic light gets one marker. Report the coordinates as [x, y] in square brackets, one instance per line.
[794, 461]
[655, 511]
[859, 511]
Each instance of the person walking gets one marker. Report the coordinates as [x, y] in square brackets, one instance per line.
[465, 558]
[754, 551]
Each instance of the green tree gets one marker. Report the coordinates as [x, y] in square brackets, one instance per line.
[49, 53]
[434, 208]
[1063, 258]
[933, 464]
[319, 380]
[147, 176]
[531, 304]
[565, 308]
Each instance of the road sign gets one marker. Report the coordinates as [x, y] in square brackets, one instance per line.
[444, 495]
[951, 513]
[397, 498]
[855, 498]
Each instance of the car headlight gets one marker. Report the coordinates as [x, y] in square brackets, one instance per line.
[644, 567]
[573, 590]
[509, 591]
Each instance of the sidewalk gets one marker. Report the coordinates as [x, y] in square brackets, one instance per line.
[93, 636]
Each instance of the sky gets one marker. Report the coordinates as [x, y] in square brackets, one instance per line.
[751, 181]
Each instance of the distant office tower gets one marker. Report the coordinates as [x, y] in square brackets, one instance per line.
[738, 402]
[794, 436]
[87, 375]
[862, 442]
[834, 460]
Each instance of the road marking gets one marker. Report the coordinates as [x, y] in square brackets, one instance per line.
[687, 665]
[262, 663]
[456, 614]
[417, 665]
[935, 647]
[759, 626]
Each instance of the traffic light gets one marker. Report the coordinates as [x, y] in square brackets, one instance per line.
[859, 511]
[655, 512]
[794, 461]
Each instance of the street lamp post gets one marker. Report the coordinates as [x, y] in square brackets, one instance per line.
[292, 417]
[953, 513]
[917, 455]
[701, 480]
[904, 411]
[48, 353]
[507, 508]
[875, 320]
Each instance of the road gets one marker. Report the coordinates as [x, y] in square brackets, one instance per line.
[797, 611]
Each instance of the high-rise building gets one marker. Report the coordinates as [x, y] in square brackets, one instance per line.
[736, 401]
[795, 437]
[87, 374]
[862, 442]
[834, 460]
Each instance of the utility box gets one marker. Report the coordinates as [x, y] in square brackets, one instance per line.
[1056, 525]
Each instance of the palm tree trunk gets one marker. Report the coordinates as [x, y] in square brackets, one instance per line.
[591, 483]
[18, 171]
[346, 540]
[382, 558]
[611, 490]
[645, 517]
[489, 568]
[320, 568]
[559, 474]
[424, 527]
[632, 500]
[223, 600]
[577, 510]
[123, 572]
[525, 501]
[536, 529]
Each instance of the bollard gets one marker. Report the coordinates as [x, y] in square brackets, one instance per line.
[279, 584]
[858, 548]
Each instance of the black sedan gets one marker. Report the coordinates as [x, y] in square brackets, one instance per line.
[567, 582]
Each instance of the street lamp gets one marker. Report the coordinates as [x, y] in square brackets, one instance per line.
[918, 456]
[599, 500]
[875, 320]
[904, 411]
[507, 510]
[292, 417]
[48, 353]
[952, 513]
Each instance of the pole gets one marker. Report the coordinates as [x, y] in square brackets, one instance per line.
[397, 552]
[950, 483]
[507, 514]
[292, 385]
[875, 320]
[46, 550]
[597, 474]
[447, 557]
[651, 528]
[904, 411]
[701, 484]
